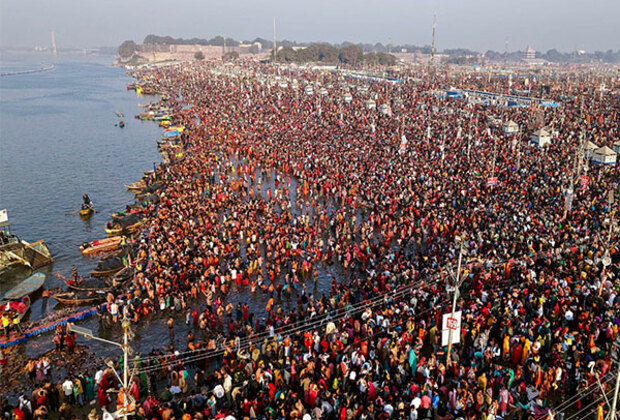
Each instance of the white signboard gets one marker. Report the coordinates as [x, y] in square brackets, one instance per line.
[451, 323]
[4, 217]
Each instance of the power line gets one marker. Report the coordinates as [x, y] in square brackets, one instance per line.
[289, 331]
[204, 353]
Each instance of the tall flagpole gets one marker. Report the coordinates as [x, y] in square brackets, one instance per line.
[433, 44]
[275, 45]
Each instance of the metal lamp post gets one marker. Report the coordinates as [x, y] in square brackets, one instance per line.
[456, 289]
[87, 333]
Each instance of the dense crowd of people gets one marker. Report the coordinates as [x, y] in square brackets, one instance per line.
[276, 185]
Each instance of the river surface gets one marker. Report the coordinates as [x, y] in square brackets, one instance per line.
[58, 140]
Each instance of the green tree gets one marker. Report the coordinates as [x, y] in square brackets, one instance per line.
[351, 54]
[127, 49]
[328, 53]
[371, 58]
[231, 56]
[386, 59]
[287, 55]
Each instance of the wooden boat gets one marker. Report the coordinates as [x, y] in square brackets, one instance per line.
[81, 288]
[134, 227]
[15, 253]
[119, 114]
[114, 231]
[86, 212]
[136, 186]
[72, 298]
[26, 287]
[118, 215]
[106, 273]
[121, 277]
[129, 229]
[101, 245]
[14, 308]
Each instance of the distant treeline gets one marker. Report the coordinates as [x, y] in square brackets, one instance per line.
[556, 56]
[329, 54]
[348, 52]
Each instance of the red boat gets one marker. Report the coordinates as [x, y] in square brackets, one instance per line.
[15, 307]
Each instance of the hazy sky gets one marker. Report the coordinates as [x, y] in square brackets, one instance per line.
[477, 24]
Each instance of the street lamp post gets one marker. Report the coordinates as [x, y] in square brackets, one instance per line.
[456, 288]
[87, 333]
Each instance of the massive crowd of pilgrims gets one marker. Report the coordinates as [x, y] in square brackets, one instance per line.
[276, 187]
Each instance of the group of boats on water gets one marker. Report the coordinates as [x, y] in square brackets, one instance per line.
[114, 251]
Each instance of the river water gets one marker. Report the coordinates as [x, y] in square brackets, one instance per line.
[58, 140]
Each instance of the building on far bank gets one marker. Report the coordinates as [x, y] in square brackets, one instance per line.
[529, 54]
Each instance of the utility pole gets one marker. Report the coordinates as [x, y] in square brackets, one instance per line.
[275, 45]
[606, 260]
[433, 43]
[576, 168]
[612, 413]
[456, 288]
[87, 333]
[125, 326]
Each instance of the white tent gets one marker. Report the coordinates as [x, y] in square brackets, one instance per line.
[589, 149]
[371, 104]
[617, 146]
[604, 156]
[511, 127]
[541, 138]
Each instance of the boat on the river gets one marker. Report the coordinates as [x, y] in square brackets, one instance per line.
[74, 299]
[115, 231]
[121, 124]
[126, 225]
[26, 287]
[100, 245]
[106, 272]
[81, 288]
[15, 308]
[136, 186]
[86, 212]
[119, 114]
[16, 253]
[109, 265]
[120, 277]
